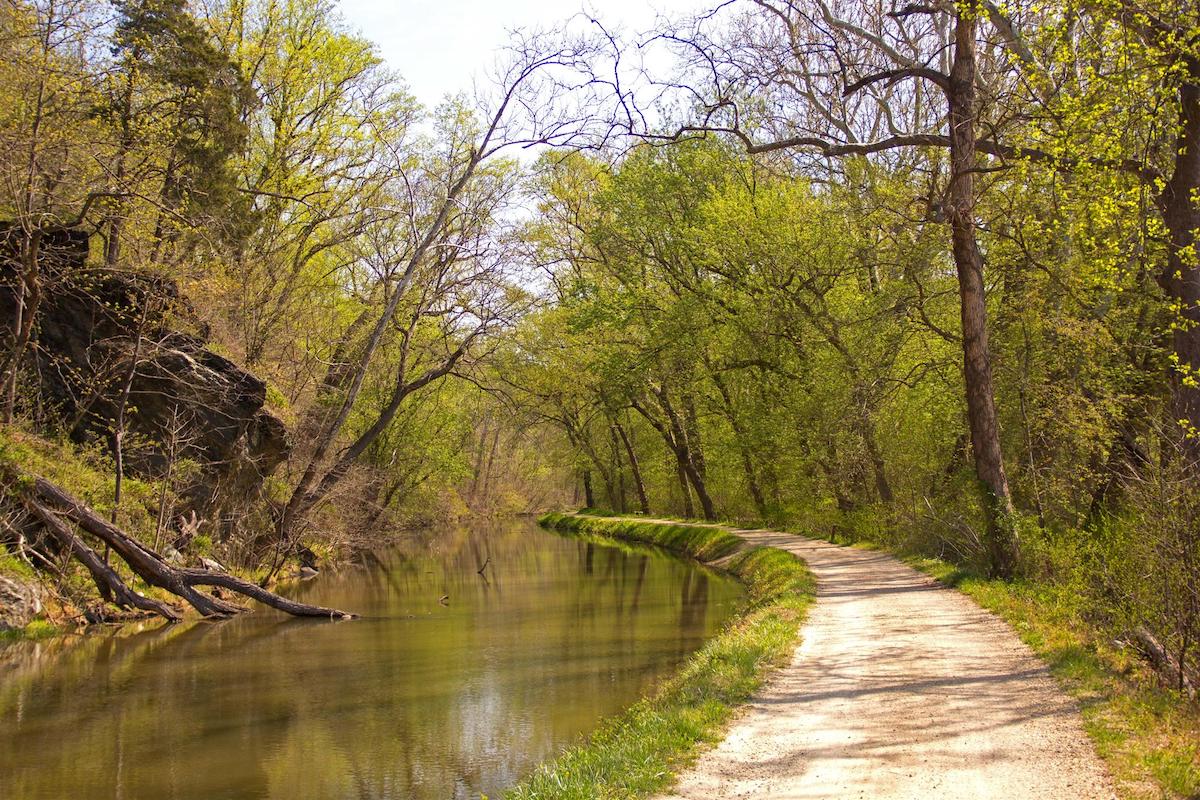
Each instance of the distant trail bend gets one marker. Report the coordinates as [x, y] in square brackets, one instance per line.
[900, 688]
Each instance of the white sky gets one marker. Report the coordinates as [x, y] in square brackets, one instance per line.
[438, 46]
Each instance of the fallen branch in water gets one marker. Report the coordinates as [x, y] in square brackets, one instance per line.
[108, 582]
[47, 502]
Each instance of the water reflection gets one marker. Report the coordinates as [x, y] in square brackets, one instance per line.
[424, 698]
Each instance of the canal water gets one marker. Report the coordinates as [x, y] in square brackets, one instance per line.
[456, 682]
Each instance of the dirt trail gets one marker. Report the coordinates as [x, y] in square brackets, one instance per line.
[901, 688]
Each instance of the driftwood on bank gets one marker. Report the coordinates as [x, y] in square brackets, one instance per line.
[47, 502]
[1185, 679]
[110, 585]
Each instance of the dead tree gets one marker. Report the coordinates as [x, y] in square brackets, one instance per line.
[54, 508]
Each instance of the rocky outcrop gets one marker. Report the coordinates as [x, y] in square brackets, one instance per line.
[21, 601]
[185, 401]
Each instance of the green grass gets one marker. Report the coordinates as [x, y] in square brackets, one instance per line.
[702, 542]
[35, 630]
[635, 754]
[87, 474]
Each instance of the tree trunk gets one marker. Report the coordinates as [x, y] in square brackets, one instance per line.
[691, 431]
[617, 467]
[110, 585]
[698, 483]
[302, 498]
[589, 497]
[739, 434]
[46, 501]
[480, 449]
[689, 509]
[673, 435]
[867, 431]
[1181, 278]
[977, 370]
[689, 453]
[302, 502]
[491, 463]
[635, 468]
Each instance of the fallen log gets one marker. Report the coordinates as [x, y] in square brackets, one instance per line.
[46, 501]
[108, 582]
[1166, 663]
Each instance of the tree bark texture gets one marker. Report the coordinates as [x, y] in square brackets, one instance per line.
[1180, 280]
[977, 369]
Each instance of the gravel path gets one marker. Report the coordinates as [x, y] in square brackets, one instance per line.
[901, 688]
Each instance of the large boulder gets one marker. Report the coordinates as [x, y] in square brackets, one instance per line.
[185, 401]
[21, 601]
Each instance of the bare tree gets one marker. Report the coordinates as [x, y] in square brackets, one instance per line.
[451, 206]
[47, 180]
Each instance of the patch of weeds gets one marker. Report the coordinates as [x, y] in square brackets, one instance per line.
[35, 630]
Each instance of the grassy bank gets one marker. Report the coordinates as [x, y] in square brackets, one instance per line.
[635, 753]
[68, 588]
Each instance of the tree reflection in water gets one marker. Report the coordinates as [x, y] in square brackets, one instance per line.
[416, 700]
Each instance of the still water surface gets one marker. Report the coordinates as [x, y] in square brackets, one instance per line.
[418, 700]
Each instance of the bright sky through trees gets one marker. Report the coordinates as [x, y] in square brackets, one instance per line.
[438, 46]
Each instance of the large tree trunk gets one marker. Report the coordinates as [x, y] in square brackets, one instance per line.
[480, 452]
[685, 489]
[1181, 278]
[589, 496]
[688, 451]
[691, 431]
[487, 470]
[617, 467]
[698, 483]
[977, 369]
[110, 585]
[673, 434]
[875, 455]
[580, 438]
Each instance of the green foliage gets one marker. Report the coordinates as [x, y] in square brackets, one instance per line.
[12, 565]
[85, 474]
[196, 96]
[37, 629]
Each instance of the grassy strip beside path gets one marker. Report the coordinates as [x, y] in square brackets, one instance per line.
[635, 754]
